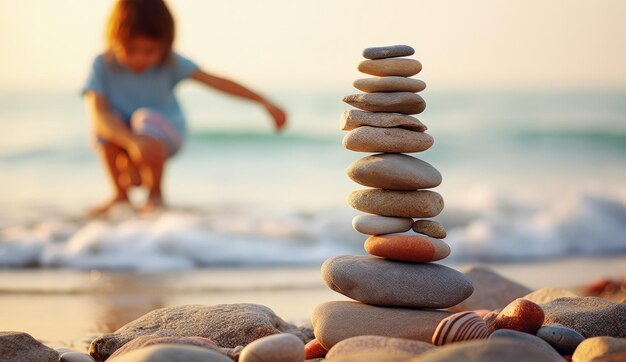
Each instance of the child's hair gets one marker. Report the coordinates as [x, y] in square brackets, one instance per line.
[148, 18]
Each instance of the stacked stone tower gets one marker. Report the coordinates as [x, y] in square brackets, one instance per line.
[398, 289]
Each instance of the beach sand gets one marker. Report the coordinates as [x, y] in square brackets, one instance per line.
[69, 308]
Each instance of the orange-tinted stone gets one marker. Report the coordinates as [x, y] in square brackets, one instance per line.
[314, 349]
[520, 315]
[403, 247]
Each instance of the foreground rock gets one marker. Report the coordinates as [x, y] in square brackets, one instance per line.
[601, 349]
[489, 351]
[336, 321]
[397, 203]
[394, 347]
[389, 84]
[378, 225]
[400, 67]
[282, 347]
[355, 118]
[228, 325]
[527, 338]
[491, 290]
[548, 294]
[76, 357]
[378, 281]
[146, 341]
[521, 315]
[430, 228]
[390, 140]
[460, 327]
[397, 102]
[393, 171]
[563, 339]
[590, 316]
[22, 347]
[171, 353]
[389, 51]
[407, 247]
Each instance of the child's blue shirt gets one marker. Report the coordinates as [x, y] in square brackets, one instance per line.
[153, 88]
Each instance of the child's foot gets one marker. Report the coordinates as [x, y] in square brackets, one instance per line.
[107, 206]
[153, 204]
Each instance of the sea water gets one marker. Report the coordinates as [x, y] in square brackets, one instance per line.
[526, 176]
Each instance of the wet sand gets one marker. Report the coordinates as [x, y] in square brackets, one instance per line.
[69, 308]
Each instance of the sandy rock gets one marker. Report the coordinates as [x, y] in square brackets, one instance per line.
[407, 247]
[563, 339]
[228, 325]
[394, 171]
[397, 203]
[22, 347]
[489, 350]
[400, 347]
[390, 67]
[390, 140]
[336, 321]
[463, 326]
[389, 84]
[491, 290]
[548, 294]
[171, 353]
[76, 357]
[521, 315]
[601, 349]
[356, 118]
[378, 225]
[590, 316]
[430, 228]
[529, 338]
[282, 347]
[145, 341]
[390, 51]
[378, 281]
[396, 102]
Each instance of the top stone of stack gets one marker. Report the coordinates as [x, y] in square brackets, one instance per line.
[391, 51]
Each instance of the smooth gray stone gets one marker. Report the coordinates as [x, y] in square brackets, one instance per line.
[563, 339]
[394, 171]
[171, 353]
[356, 118]
[530, 338]
[488, 350]
[377, 281]
[22, 347]
[389, 84]
[389, 51]
[389, 140]
[590, 316]
[397, 203]
[395, 102]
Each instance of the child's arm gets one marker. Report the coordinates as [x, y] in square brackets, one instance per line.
[230, 87]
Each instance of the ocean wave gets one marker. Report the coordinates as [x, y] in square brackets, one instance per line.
[499, 229]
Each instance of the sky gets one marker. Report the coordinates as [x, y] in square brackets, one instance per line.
[286, 44]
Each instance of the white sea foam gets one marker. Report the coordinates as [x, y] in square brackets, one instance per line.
[488, 227]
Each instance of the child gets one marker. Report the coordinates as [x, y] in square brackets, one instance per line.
[129, 94]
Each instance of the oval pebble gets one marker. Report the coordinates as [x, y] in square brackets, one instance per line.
[76, 357]
[397, 203]
[398, 67]
[563, 339]
[430, 228]
[389, 140]
[389, 84]
[403, 247]
[388, 51]
[392, 171]
[396, 102]
[355, 118]
[378, 225]
[459, 327]
[520, 315]
[282, 347]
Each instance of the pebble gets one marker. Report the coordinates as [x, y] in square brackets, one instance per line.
[563, 339]
[145, 341]
[355, 118]
[396, 102]
[314, 349]
[528, 338]
[601, 349]
[548, 294]
[389, 84]
[489, 350]
[491, 290]
[171, 353]
[335, 321]
[389, 51]
[391, 67]
[407, 247]
[394, 171]
[76, 357]
[383, 282]
[590, 316]
[459, 327]
[378, 225]
[397, 203]
[430, 228]
[391, 140]
[399, 347]
[22, 347]
[283, 347]
[521, 315]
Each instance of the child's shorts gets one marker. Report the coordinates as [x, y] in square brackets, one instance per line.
[150, 123]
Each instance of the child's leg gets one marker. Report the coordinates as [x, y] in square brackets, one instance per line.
[109, 153]
[151, 172]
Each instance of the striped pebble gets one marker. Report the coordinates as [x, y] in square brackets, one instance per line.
[459, 327]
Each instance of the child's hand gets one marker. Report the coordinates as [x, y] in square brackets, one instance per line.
[279, 116]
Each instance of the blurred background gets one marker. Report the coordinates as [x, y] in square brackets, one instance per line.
[526, 102]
